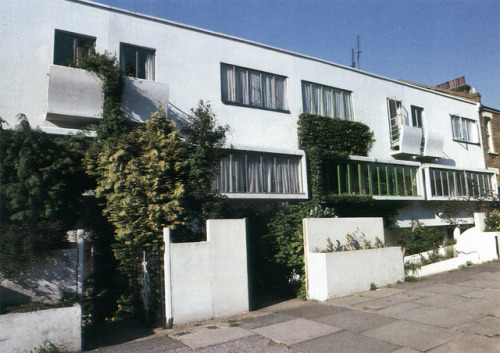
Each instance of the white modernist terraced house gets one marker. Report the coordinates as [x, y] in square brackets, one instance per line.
[428, 144]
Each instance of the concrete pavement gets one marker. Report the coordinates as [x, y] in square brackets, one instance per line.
[456, 311]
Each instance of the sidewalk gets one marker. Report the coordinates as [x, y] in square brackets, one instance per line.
[456, 311]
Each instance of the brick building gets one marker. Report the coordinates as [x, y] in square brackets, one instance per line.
[490, 123]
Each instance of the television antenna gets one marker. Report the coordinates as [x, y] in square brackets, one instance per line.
[355, 55]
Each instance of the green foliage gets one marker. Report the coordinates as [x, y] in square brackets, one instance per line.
[42, 181]
[421, 238]
[492, 221]
[48, 347]
[204, 140]
[143, 177]
[327, 139]
[373, 286]
[106, 67]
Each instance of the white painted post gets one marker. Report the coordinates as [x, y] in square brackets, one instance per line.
[169, 319]
[80, 261]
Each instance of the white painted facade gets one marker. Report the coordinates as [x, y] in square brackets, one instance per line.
[187, 68]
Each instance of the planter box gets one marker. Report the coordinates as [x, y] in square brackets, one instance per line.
[446, 265]
[24, 331]
[337, 274]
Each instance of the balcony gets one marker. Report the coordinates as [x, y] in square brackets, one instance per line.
[409, 142]
[433, 144]
[75, 97]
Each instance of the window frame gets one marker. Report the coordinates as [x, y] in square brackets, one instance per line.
[75, 54]
[245, 154]
[225, 90]
[458, 136]
[347, 113]
[147, 76]
[488, 133]
[419, 119]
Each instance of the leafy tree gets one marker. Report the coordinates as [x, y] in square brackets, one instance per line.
[143, 176]
[204, 140]
[42, 181]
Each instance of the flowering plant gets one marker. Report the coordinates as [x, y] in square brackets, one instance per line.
[492, 221]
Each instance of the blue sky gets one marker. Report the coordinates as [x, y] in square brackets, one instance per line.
[423, 41]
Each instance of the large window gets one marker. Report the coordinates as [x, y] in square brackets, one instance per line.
[464, 130]
[375, 179]
[137, 61]
[260, 173]
[416, 116]
[326, 101]
[395, 109]
[460, 183]
[489, 135]
[70, 48]
[253, 88]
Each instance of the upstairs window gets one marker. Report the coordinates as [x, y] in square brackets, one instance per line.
[137, 61]
[489, 135]
[416, 116]
[460, 183]
[395, 109]
[464, 130]
[253, 88]
[70, 48]
[326, 101]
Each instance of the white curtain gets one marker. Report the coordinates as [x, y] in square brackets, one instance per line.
[242, 94]
[328, 102]
[281, 93]
[339, 106]
[269, 91]
[347, 106]
[228, 83]
[150, 65]
[307, 98]
[253, 174]
[255, 89]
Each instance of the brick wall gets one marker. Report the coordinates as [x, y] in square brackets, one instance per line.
[492, 159]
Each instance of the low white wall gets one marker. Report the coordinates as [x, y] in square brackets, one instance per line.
[331, 275]
[446, 265]
[337, 274]
[484, 244]
[24, 331]
[318, 230]
[208, 279]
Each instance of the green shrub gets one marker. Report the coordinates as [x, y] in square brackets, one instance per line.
[421, 238]
[492, 221]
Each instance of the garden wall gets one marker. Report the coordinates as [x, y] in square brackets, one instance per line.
[336, 274]
[24, 331]
[207, 279]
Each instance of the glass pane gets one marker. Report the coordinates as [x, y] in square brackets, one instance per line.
[365, 180]
[392, 180]
[384, 188]
[400, 181]
[354, 178]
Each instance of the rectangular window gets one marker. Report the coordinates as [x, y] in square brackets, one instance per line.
[489, 135]
[327, 101]
[416, 116]
[460, 183]
[260, 173]
[253, 88]
[137, 61]
[395, 109]
[69, 48]
[464, 130]
[375, 179]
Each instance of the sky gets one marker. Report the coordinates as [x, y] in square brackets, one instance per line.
[423, 41]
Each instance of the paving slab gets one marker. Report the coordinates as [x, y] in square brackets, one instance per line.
[412, 334]
[393, 311]
[488, 326]
[484, 294]
[381, 292]
[313, 311]
[354, 320]
[295, 331]
[386, 301]
[441, 300]
[450, 289]
[442, 317]
[468, 343]
[406, 350]
[265, 320]
[210, 336]
[153, 345]
[480, 283]
[345, 341]
[347, 302]
[248, 344]
[483, 306]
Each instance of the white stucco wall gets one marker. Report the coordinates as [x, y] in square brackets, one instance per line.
[23, 332]
[208, 279]
[188, 61]
[318, 230]
[337, 274]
